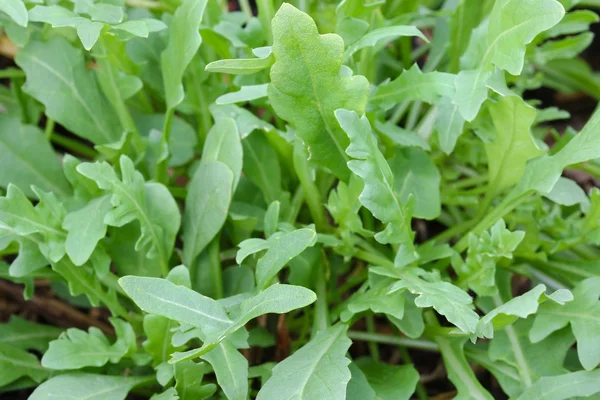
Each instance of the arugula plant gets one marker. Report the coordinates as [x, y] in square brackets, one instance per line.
[252, 196]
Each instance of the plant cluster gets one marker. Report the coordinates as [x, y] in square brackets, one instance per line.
[300, 201]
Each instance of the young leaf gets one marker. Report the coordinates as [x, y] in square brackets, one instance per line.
[380, 35]
[79, 386]
[412, 84]
[21, 334]
[390, 382]
[514, 145]
[245, 94]
[151, 204]
[318, 370]
[207, 204]
[231, 369]
[302, 55]
[378, 195]
[176, 57]
[27, 159]
[566, 386]
[581, 313]
[243, 66]
[161, 297]
[16, 363]
[282, 248]
[58, 78]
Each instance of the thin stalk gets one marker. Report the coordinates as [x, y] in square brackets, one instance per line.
[373, 349]
[420, 344]
[321, 316]
[73, 146]
[216, 273]
[420, 390]
[10, 73]
[413, 115]
[453, 231]
[311, 192]
[373, 259]
[399, 112]
[149, 4]
[467, 182]
[49, 128]
[295, 205]
[246, 8]
[266, 11]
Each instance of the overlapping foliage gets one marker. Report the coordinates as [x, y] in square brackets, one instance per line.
[285, 182]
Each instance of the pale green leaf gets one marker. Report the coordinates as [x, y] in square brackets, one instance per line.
[231, 369]
[78, 386]
[242, 66]
[184, 41]
[318, 370]
[16, 363]
[261, 165]
[223, 143]
[306, 87]
[22, 334]
[382, 35]
[16, 10]
[449, 125]
[562, 387]
[245, 94]
[207, 205]
[390, 382]
[58, 78]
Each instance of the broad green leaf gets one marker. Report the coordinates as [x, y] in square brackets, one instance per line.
[184, 41]
[532, 360]
[378, 195]
[16, 363]
[302, 55]
[242, 66]
[378, 299]
[382, 35]
[231, 369]
[58, 78]
[161, 297]
[207, 205]
[85, 229]
[449, 125]
[573, 22]
[459, 370]
[567, 192]
[21, 334]
[223, 143]
[151, 204]
[282, 249]
[413, 84]
[582, 313]
[79, 386]
[120, 245]
[16, 10]
[518, 307]
[26, 159]
[77, 349]
[500, 41]
[416, 175]
[318, 370]
[562, 387]
[245, 94]
[277, 299]
[358, 387]
[446, 298]
[261, 165]
[390, 382]
[514, 145]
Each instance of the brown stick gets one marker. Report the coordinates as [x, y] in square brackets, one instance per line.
[53, 309]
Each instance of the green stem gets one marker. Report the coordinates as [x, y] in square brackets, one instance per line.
[420, 344]
[399, 112]
[453, 231]
[373, 259]
[373, 349]
[321, 316]
[216, 273]
[311, 192]
[162, 168]
[10, 73]
[246, 8]
[49, 128]
[467, 182]
[73, 146]
[266, 11]
[149, 4]
[295, 205]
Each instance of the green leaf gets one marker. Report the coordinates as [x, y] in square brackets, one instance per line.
[400, 136]
[261, 165]
[176, 57]
[390, 382]
[412, 84]
[514, 145]
[501, 42]
[58, 78]
[459, 370]
[85, 229]
[189, 376]
[231, 369]
[161, 297]
[223, 143]
[446, 298]
[27, 159]
[207, 205]
[242, 66]
[245, 94]
[79, 386]
[567, 192]
[318, 370]
[159, 331]
[21, 334]
[282, 248]
[151, 204]
[378, 195]
[16, 10]
[416, 175]
[358, 387]
[302, 55]
[16, 363]
[449, 125]
[582, 313]
[383, 35]
[518, 307]
[567, 386]
[77, 349]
